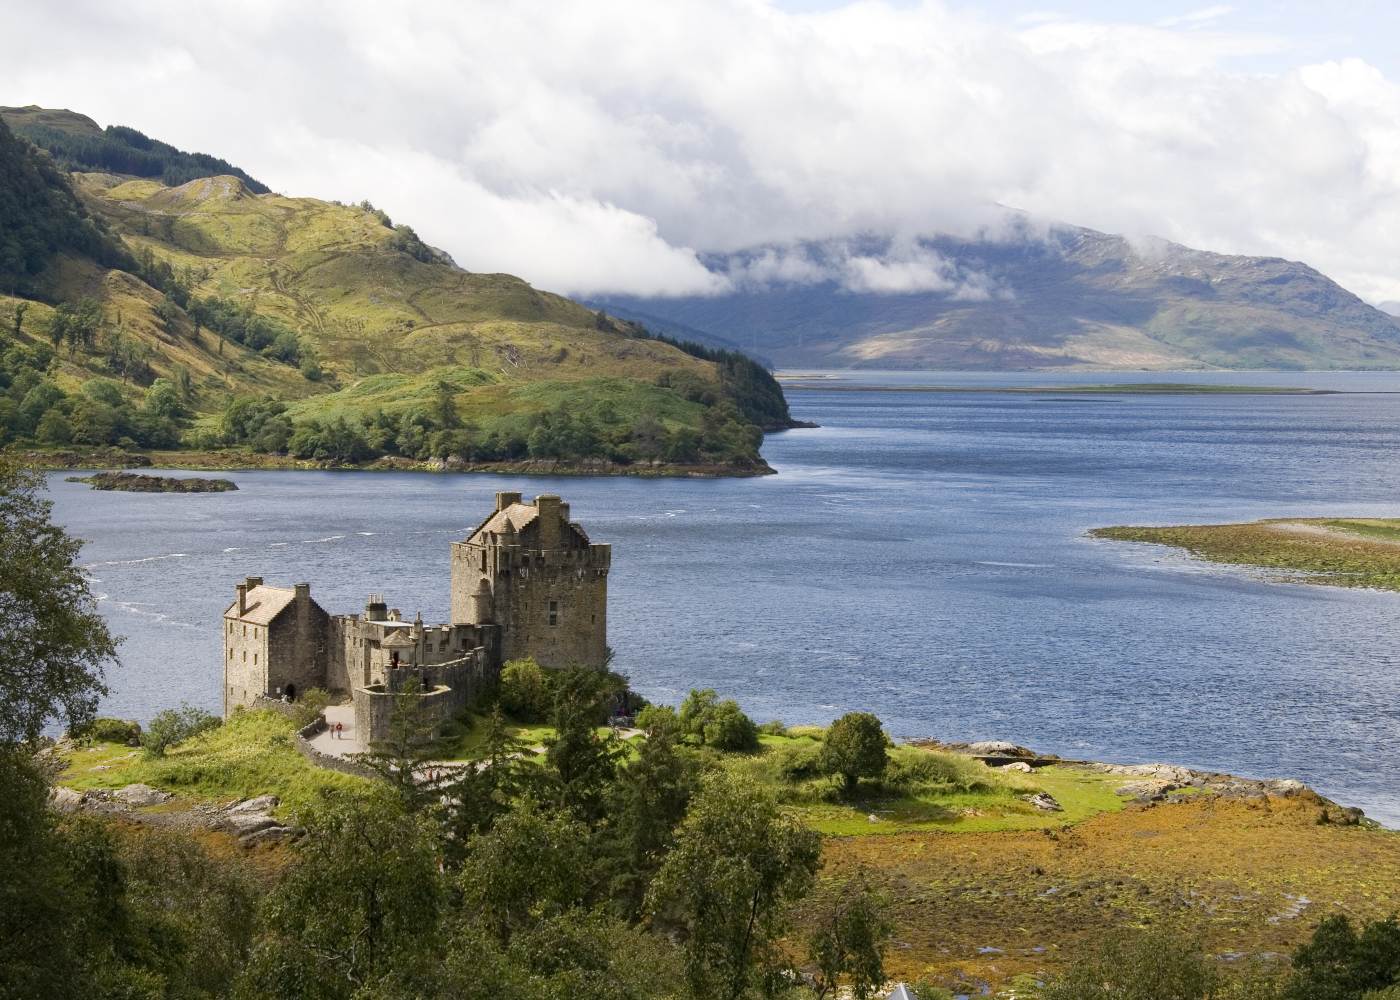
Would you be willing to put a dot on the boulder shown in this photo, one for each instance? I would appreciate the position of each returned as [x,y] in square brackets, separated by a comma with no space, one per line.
[267,835]
[242,824]
[141,795]
[1150,790]
[65,800]
[1045,802]
[258,804]
[1016,765]
[998,748]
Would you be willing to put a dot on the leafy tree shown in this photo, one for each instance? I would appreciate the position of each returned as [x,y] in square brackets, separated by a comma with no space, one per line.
[728,728]
[696,709]
[848,939]
[47,612]
[175,725]
[163,400]
[531,863]
[20,309]
[582,763]
[648,800]
[737,864]
[1151,965]
[660,721]
[1340,964]
[362,905]
[445,406]
[524,690]
[53,428]
[855,748]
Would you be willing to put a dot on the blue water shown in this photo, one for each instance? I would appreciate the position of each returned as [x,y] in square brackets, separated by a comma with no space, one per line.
[920,555]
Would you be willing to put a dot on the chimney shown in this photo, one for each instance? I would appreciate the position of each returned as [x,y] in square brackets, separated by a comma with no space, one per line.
[504,500]
[547,504]
[303,592]
[242,589]
[254,581]
[564,513]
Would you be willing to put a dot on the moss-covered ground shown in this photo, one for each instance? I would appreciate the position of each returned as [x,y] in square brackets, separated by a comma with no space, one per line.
[1347,552]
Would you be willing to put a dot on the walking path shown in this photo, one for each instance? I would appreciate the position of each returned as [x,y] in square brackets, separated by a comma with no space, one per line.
[348,742]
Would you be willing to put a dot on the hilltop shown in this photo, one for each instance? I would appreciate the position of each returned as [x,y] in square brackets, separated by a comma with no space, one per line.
[300,330]
[1060,297]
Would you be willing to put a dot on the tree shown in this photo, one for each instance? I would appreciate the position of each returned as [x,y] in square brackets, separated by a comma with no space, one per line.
[524,690]
[486,789]
[20,309]
[582,763]
[737,864]
[849,938]
[404,757]
[728,728]
[1151,965]
[697,707]
[58,642]
[444,406]
[175,725]
[53,428]
[532,863]
[855,748]
[1340,964]
[362,904]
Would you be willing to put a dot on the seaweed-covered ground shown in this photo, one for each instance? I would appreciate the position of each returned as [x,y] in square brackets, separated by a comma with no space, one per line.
[1346,552]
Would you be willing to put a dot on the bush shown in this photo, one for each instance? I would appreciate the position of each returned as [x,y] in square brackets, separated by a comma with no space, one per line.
[773,727]
[727,728]
[104,730]
[524,691]
[799,763]
[309,704]
[855,748]
[175,725]
[655,719]
[911,768]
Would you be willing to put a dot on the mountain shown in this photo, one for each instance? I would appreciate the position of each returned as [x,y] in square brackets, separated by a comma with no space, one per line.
[323,332]
[1389,308]
[1058,297]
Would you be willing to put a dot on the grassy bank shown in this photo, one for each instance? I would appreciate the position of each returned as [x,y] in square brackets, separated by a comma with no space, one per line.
[1346,552]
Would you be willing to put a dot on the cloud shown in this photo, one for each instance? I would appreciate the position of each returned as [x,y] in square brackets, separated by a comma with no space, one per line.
[607,146]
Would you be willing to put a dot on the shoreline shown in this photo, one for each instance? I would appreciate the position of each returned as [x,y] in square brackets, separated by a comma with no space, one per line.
[1126,389]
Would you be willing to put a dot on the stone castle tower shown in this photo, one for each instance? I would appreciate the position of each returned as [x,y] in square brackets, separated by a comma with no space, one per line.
[531,571]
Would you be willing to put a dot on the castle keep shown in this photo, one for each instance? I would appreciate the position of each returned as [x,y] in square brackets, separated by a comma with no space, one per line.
[527,582]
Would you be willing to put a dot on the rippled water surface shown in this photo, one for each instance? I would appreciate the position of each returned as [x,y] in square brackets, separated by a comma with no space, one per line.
[921,555]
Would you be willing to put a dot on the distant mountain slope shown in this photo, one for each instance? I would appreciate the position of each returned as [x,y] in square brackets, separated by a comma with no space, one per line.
[1389,308]
[76,142]
[321,331]
[1070,298]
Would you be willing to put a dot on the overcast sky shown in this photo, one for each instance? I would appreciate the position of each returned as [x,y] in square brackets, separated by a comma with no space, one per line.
[595,147]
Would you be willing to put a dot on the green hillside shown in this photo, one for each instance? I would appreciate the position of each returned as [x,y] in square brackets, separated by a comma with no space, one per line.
[298,330]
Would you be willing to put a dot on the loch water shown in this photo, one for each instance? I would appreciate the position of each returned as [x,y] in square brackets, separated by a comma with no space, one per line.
[921,555]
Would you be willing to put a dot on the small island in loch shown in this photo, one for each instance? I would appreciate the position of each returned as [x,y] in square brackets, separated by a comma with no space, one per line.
[135,482]
[1338,551]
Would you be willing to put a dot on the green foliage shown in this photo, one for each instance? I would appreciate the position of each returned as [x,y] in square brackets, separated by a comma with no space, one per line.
[737,864]
[1149,965]
[720,724]
[532,862]
[105,730]
[1339,963]
[581,763]
[660,721]
[361,906]
[524,690]
[309,706]
[41,217]
[848,938]
[49,614]
[176,725]
[855,747]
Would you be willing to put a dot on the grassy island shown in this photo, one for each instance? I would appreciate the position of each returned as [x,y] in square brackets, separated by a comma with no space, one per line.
[1343,552]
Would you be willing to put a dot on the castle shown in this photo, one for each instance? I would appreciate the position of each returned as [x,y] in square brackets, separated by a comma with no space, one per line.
[527,582]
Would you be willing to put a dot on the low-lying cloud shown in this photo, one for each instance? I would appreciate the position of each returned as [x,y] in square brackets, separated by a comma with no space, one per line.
[603,147]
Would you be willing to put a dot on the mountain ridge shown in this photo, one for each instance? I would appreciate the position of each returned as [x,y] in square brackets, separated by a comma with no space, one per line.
[1069,297]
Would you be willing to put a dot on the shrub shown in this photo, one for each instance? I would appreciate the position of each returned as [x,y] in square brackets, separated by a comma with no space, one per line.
[124,731]
[310,704]
[911,768]
[524,690]
[855,748]
[773,727]
[656,719]
[175,725]
[728,728]
[799,763]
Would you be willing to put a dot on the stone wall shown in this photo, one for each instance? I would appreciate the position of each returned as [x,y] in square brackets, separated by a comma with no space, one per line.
[328,761]
[296,645]
[554,606]
[374,709]
[245,664]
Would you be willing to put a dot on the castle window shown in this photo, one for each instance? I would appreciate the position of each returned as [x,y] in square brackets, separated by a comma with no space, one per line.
[554,612]
[255,659]
[245,630]
[245,656]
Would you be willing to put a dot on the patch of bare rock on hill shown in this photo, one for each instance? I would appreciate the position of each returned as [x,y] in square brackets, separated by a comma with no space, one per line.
[250,821]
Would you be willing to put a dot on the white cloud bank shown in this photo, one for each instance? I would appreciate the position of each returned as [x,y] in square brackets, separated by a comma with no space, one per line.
[596,146]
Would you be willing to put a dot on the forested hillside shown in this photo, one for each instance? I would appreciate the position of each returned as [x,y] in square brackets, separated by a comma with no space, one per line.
[265,329]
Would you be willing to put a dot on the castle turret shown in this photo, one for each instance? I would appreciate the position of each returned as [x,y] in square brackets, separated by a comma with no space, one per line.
[535,573]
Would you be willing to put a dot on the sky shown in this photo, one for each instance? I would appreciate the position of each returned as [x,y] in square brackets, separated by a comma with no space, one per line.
[599,147]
